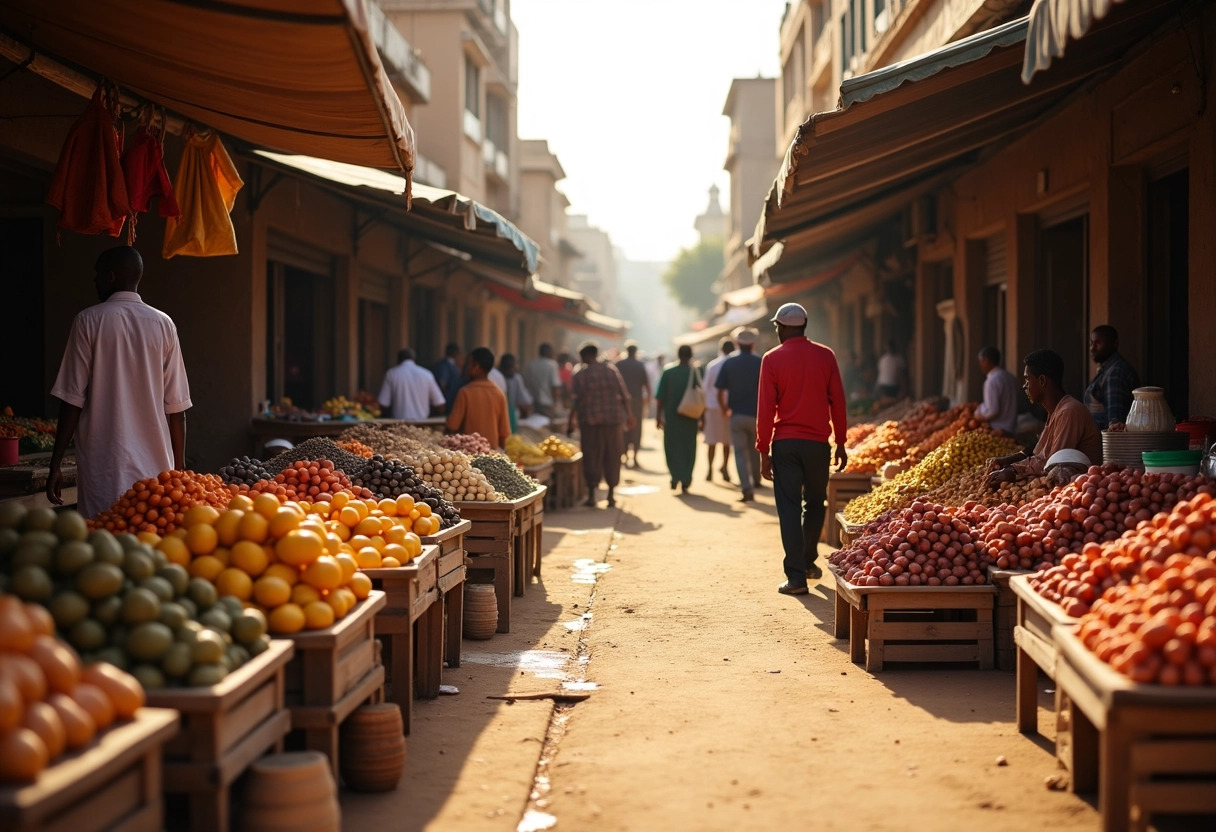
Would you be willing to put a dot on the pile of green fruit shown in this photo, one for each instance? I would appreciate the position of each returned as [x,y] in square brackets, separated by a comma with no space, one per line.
[118,600]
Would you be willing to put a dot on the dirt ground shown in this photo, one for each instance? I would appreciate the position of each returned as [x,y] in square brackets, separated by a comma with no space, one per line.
[715,702]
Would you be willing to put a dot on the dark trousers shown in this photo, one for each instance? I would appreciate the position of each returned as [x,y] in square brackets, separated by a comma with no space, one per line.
[800,476]
[602,447]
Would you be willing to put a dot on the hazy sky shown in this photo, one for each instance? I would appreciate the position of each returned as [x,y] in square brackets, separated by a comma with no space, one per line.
[629,94]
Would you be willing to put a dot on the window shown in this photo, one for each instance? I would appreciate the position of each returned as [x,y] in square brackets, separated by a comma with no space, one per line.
[472,87]
[846,44]
[496,121]
[791,73]
[819,18]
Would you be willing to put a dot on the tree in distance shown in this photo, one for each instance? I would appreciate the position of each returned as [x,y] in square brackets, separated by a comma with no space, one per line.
[691,276]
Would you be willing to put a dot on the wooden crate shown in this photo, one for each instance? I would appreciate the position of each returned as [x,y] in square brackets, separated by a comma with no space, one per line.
[224,729]
[1035,617]
[842,488]
[542,473]
[496,542]
[915,623]
[411,626]
[529,529]
[566,485]
[848,531]
[114,783]
[1005,617]
[334,671]
[1148,749]
[452,572]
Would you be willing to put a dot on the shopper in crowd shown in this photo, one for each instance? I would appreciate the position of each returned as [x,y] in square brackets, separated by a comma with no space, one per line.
[123,390]
[1109,395]
[679,432]
[519,400]
[410,392]
[600,409]
[447,372]
[654,369]
[565,372]
[1069,423]
[892,374]
[800,393]
[480,407]
[637,382]
[1000,405]
[716,431]
[543,382]
[736,389]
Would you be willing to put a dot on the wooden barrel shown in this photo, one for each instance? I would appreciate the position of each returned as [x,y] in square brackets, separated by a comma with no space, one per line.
[480,611]
[291,792]
[372,749]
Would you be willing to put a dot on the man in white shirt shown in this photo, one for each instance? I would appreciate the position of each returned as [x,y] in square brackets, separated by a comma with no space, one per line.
[543,380]
[1000,405]
[410,392]
[892,373]
[123,388]
[717,428]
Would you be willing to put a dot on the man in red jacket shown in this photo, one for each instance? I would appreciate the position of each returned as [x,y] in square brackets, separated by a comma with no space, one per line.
[800,391]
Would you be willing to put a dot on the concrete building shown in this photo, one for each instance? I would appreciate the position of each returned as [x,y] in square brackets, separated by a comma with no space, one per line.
[595,273]
[542,214]
[713,223]
[752,161]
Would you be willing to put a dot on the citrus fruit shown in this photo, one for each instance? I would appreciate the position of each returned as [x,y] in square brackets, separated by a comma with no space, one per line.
[360,585]
[338,603]
[303,594]
[396,550]
[290,574]
[228,526]
[271,591]
[234,582]
[368,558]
[286,619]
[248,557]
[388,506]
[405,504]
[390,563]
[340,500]
[413,544]
[378,543]
[241,502]
[283,521]
[266,505]
[323,573]
[175,550]
[200,515]
[368,526]
[299,548]
[318,615]
[349,516]
[424,510]
[207,567]
[202,539]
[349,565]
[396,534]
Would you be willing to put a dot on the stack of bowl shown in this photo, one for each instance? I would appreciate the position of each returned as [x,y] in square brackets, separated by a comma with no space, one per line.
[1126,447]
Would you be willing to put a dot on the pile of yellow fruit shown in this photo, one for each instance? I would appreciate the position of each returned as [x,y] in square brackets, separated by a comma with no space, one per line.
[962,453]
[378,535]
[342,406]
[555,447]
[273,557]
[523,452]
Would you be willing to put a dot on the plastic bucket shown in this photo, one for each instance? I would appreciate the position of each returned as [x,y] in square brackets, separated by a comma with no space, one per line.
[1172,462]
[8,450]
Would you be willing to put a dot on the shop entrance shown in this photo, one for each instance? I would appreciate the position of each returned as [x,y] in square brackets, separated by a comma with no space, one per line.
[300,335]
[424,334]
[1166,314]
[373,344]
[1061,289]
[21,242]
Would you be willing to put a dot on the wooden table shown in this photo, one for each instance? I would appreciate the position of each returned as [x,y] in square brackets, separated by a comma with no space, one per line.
[914,623]
[225,728]
[296,431]
[1035,619]
[1149,749]
[842,488]
[450,566]
[542,473]
[567,484]
[504,542]
[334,671]
[411,624]
[25,482]
[1006,616]
[114,783]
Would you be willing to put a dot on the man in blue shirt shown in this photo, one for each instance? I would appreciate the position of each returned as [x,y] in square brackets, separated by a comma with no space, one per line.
[448,375]
[1109,395]
[738,388]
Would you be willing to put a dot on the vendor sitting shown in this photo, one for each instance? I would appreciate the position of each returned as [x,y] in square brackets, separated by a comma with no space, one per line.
[1069,423]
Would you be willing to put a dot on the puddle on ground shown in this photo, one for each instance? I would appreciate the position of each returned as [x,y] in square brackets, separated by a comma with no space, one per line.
[604,530]
[587,571]
[535,821]
[630,490]
[580,686]
[544,664]
[579,624]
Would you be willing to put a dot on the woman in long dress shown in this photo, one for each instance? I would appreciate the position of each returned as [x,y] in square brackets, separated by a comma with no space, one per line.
[679,432]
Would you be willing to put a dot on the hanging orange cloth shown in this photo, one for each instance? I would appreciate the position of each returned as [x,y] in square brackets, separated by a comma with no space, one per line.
[88,186]
[143,167]
[207,185]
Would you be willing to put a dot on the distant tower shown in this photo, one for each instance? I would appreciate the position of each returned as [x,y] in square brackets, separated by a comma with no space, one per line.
[713,223]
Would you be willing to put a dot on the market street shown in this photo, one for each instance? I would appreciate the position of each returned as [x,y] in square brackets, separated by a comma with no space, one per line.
[718,703]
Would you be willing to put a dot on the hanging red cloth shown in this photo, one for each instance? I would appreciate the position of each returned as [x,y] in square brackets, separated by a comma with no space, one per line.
[143,167]
[88,186]
[207,185]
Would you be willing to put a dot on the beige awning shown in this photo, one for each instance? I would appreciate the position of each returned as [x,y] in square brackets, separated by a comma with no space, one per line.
[1053,23]
[300,76]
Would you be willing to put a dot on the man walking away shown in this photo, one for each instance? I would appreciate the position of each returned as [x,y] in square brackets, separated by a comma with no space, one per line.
[410,392]
[1109,395]
[447,374]
[800,392]
[543,382]
[637,382]
[480,407]
[716,430]
[123,388]
[738,385]
[1000,405]
[600,409]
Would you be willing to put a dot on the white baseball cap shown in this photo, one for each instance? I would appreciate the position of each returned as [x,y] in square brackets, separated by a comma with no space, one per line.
[790,314]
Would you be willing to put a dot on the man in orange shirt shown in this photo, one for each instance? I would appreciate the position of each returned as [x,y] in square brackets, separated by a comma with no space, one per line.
[480,407]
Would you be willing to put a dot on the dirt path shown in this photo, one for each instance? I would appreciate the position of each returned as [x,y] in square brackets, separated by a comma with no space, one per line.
[719,703]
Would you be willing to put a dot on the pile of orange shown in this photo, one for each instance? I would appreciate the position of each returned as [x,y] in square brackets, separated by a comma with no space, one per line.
[48,703]
[158,504]
[272,557]
[377,534]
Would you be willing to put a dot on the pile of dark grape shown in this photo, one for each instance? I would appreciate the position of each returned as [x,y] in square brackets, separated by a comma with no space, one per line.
[315,449]
[245,471]
[390,477]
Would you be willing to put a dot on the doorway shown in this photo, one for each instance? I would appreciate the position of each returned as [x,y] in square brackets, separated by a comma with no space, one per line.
[373,344]
[300,336]
[424,333]
[1061,293]
[1166,309]
[24,365]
